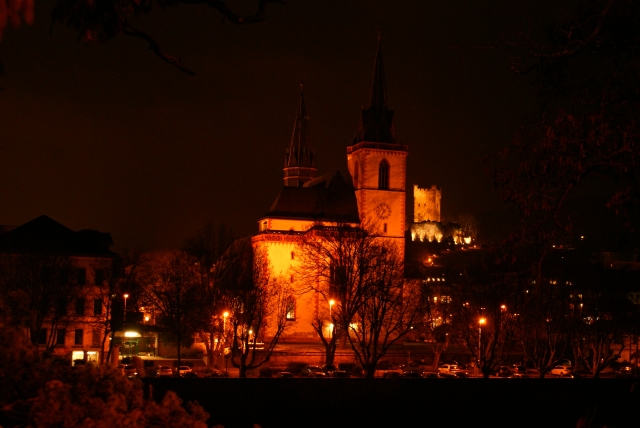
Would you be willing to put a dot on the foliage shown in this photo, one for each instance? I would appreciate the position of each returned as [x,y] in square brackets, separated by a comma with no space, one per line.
[586,139]
[44,391]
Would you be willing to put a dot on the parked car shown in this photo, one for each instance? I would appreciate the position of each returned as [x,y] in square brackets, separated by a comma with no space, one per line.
[284,374]
[391,374]
[504,371]
[329,368]
[184,370]
[215,373]
[412,374]
[130,371]
[308,370]
[448,368]
[317,374]
[340,373]
[432,375]
[625,369]
[191,374]
[164,371]
[562,371]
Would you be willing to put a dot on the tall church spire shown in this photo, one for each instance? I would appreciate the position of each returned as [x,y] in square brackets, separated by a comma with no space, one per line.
[300,159]
[376,122]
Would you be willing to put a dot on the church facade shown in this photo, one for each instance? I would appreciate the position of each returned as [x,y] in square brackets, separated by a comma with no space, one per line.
[374,196]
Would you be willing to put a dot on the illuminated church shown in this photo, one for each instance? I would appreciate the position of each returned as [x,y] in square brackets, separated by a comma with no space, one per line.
[373,194]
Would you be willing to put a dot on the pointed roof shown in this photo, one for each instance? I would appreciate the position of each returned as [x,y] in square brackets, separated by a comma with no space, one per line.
[44,235]
[329,198]
[299,154]
[376,122]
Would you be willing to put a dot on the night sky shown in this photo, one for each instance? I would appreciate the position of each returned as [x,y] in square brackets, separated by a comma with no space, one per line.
[109,137]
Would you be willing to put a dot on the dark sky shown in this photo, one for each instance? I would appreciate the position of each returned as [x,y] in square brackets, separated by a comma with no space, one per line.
[109,137]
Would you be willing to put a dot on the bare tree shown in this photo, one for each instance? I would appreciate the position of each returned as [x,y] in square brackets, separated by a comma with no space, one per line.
[257,302]
[103,22]
[208,247]
[335,263]
[47,282]
[169,283]
[389,307]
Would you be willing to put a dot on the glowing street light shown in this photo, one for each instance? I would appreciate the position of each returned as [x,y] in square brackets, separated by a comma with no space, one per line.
[225,315]
[331,303]
[125,306]
[481,322]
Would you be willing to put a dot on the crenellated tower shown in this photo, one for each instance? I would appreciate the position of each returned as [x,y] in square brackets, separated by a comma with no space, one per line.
[299,159]
[377,162]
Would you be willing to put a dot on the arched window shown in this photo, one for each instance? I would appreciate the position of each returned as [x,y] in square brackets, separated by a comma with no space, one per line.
[356,174]
[383,175]
[291,308]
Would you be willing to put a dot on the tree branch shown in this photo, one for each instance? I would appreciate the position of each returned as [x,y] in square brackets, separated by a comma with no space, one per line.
[155,47]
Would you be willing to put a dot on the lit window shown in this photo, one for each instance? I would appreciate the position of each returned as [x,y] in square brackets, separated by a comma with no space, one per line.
[96,337]
[291,308]
[383,175]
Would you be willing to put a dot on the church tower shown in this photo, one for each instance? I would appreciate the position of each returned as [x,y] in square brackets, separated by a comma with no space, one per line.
[377,163]
[299,159]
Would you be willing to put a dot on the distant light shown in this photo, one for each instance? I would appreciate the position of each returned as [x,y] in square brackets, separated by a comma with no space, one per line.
[131,334]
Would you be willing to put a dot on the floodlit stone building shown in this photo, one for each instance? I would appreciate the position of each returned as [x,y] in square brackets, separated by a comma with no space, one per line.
[374,194]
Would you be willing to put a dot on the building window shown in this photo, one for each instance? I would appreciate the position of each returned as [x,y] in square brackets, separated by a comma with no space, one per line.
[98,276]
[97,307]
[291,308]
[80,306]
[383,175]
[61,336]
[96,335]
[79,337]
[82,276]
[385,228]
[42,336]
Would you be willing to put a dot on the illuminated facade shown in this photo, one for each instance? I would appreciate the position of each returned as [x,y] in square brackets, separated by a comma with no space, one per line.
[374,195]
[75,268]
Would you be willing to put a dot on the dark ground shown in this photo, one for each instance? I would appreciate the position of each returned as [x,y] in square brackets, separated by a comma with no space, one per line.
[301,402]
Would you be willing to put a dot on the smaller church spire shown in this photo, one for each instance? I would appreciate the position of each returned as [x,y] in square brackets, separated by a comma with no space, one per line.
[300,160]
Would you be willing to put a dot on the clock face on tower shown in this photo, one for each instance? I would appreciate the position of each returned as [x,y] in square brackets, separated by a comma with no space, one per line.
[383,211]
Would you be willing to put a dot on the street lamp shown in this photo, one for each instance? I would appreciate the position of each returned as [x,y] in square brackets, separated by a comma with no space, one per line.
[482,321]
[125,306]
[331,303]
